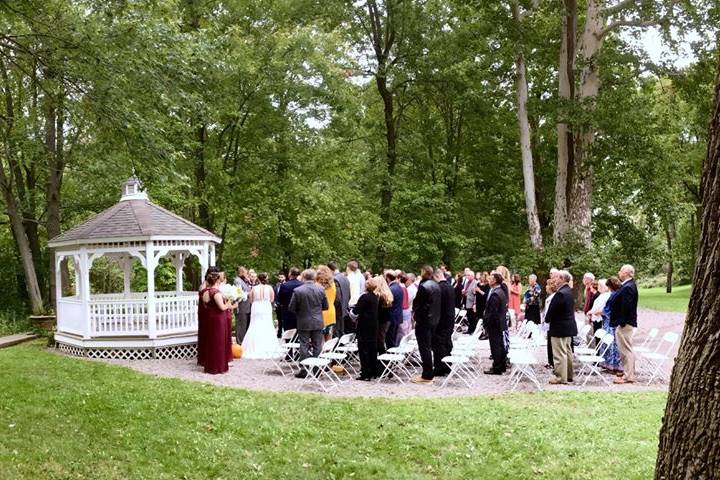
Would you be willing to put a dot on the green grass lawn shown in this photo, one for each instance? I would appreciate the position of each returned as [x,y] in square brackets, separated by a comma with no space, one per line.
[67,418]
[657,299]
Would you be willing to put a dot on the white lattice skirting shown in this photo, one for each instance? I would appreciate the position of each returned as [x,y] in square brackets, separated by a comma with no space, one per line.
[143,353]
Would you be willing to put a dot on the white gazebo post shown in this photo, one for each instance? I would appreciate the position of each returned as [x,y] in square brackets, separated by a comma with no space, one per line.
[179,261]
[150,265]
[204,258]
[126,262]
[58,278]
[85,289]
[212,254]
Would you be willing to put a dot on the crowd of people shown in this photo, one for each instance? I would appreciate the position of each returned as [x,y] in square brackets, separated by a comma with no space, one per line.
[382,309]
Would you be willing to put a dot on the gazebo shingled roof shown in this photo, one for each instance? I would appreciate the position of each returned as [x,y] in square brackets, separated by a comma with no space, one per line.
[136,218]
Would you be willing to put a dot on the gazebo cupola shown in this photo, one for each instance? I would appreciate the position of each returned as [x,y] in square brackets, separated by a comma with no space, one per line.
[127,324]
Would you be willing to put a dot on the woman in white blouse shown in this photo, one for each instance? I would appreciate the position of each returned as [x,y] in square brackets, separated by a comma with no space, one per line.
[595,314]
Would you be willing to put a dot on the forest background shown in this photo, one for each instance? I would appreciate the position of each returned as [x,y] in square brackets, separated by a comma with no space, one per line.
[396,132]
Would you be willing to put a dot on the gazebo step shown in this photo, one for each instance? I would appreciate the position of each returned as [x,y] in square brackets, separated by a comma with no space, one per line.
[11,340]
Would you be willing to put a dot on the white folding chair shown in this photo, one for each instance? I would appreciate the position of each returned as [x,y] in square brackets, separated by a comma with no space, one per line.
[347,344]
[460,320]
[318,369]
[523,365]
[285,353]
[599,335]
[655,360]
[645,346]
[330,352]
[591,363]
[393,366]
[460,368]
[583,334]
[523,359]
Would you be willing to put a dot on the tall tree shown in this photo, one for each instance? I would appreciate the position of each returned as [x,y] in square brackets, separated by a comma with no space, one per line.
[385,24]
[576,127]
[691,425]
[521,88]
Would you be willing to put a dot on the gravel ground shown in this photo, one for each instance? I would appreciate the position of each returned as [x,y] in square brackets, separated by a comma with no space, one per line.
[248,374]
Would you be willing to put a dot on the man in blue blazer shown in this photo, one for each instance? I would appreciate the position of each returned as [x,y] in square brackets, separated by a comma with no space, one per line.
[561,318]
[623,316]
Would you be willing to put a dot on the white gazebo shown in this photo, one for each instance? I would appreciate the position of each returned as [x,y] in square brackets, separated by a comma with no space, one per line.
[130,325]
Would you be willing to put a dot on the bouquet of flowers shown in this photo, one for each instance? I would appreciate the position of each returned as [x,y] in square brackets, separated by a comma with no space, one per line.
[232,293]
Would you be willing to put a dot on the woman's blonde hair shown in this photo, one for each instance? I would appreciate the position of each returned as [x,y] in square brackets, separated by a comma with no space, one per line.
[378,285]
[503,270]
[324,276]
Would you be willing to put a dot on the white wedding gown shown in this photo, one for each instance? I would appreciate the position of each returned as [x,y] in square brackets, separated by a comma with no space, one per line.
[260,341]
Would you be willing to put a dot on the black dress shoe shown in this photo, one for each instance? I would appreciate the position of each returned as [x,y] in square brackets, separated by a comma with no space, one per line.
[301,374]
[492,372]
[363,379]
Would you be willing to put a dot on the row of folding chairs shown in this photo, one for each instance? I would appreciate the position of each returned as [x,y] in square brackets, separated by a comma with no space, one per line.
[338,351]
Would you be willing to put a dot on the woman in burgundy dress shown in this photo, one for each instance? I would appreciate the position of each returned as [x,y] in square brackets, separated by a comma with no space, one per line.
[214,310]
[201,337]
[228,313]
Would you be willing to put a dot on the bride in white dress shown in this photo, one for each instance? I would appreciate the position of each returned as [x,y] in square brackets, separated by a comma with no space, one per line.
[260,341]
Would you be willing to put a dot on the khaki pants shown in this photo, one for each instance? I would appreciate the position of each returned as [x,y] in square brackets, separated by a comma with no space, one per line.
[562,358]
[623,338]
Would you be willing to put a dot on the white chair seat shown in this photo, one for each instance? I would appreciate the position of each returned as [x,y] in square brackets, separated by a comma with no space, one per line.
[315,362]
[582,351]
[400,350]
[590,358]
[347,348]
[455,359]
[333,356]
[391,357]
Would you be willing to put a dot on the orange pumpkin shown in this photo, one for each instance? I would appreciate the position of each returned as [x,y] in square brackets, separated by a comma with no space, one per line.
[236,350]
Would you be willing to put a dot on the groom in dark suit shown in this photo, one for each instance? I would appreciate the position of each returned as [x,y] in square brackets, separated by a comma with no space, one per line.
[307,303]
[284,294]
[495,323]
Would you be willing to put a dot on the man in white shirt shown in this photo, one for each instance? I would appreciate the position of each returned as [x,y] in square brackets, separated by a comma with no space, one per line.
[357,282]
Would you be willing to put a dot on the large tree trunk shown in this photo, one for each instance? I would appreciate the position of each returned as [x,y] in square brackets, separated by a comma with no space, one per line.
[689,446]
[581,185]
[521,88]
[55,146]
[382,38]
[566,92]
[13,210]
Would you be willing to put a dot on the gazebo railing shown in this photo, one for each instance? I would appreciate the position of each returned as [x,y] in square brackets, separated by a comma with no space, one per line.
[112,315]
[118,317]
[176,314]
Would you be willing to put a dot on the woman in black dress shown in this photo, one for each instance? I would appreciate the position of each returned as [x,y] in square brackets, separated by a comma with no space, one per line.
[366,310]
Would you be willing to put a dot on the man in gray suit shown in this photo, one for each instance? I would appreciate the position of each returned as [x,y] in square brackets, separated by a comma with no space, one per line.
[242,317]
[307,303]
[342,300]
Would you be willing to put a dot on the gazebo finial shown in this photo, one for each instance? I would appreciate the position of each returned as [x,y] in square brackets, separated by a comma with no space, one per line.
[132,189]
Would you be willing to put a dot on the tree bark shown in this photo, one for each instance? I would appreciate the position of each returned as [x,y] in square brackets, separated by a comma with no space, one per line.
[382,38]
[11,204]
[566,92]
[521,88]
[689,447]
[581,180]
[55,150]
